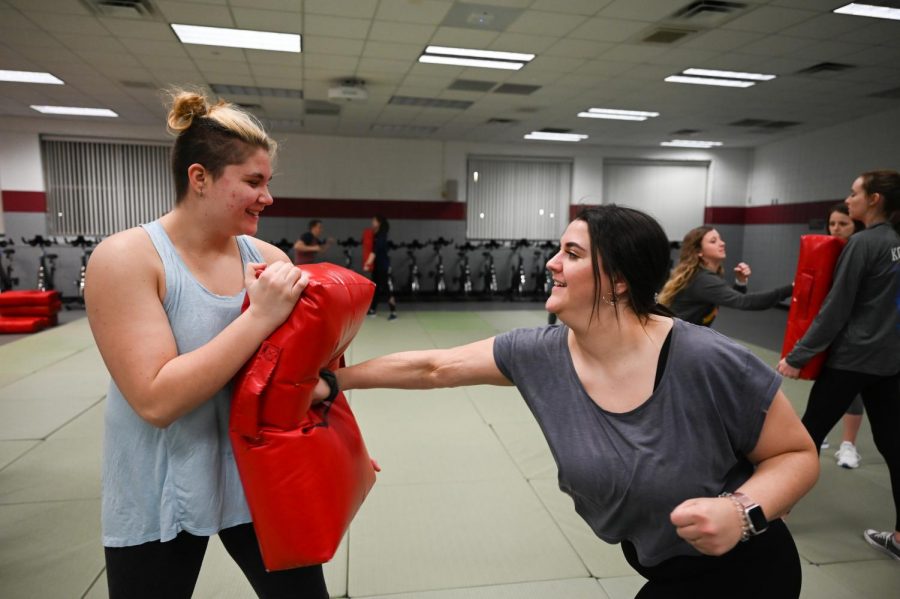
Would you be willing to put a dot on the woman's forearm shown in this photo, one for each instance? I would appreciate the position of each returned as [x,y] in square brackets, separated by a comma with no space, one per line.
[781,481]
[405,370]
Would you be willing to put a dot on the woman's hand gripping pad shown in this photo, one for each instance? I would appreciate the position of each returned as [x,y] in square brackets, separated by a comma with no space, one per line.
[305,470]
[815,271]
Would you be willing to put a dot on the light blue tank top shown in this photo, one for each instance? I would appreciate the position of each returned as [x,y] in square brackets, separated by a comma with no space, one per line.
[159,482]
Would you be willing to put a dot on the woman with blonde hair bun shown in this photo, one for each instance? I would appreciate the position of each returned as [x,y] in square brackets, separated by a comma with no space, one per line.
[696,288]
[164,304]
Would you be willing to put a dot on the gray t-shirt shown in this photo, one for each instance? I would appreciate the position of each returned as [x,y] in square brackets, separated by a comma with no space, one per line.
[627,472]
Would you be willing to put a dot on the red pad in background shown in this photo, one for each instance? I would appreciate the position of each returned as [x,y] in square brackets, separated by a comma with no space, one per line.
[815,272]
[31,310]
[29,298]
[305,470]
[23,324]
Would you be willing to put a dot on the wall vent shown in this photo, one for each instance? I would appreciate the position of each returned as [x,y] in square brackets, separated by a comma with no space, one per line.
[471,85]
[517,88]
[668,35]
[826,67]
[126,9]
[429,102]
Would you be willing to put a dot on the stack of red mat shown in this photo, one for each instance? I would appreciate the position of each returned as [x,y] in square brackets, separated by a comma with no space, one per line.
[28,311]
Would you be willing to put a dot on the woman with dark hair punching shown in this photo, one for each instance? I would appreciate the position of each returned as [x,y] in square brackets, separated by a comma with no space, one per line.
[696,289]
[671,439]
[379,262]
[164,304]
[859,325]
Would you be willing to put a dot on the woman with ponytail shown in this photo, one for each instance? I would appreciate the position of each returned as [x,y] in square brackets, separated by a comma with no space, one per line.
[164,304]
[696,289]
[859,325]
[662,431]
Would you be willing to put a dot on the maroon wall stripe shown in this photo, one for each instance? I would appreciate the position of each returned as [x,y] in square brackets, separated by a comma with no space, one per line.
[779,214]
[395,209]
[24,201]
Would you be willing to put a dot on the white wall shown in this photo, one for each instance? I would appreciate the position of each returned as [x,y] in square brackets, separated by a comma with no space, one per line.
[822,165]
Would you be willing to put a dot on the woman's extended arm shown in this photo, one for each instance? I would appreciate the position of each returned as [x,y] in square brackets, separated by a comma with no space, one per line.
[471,364]
[130,326]
[787,466]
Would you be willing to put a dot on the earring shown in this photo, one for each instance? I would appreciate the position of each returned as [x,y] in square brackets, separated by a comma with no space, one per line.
[201,192]
[611,300]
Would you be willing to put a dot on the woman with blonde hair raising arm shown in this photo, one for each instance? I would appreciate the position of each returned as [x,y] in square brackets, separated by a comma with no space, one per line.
[164,304]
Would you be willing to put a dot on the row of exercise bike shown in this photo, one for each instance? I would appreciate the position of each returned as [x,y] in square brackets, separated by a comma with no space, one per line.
[464,284]
[45,277]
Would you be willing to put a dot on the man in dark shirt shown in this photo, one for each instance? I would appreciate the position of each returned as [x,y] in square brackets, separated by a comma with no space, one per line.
[310,244]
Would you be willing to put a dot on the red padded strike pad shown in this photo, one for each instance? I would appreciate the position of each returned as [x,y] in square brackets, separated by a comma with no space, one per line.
[305,470]
[29,298]
[23,324]
[815,271]
[27,310]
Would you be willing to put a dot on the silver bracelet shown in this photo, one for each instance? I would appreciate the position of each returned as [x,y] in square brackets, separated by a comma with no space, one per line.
[745,521]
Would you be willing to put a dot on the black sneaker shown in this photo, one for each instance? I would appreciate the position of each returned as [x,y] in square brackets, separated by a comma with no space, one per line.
[883,541]
[370,313]
[393,316]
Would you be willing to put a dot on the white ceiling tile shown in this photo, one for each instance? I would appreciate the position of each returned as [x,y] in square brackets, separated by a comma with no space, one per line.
[395,51]
[336,26]
[129,28]
[506,3]
[826,26]
[269,70]
[279,83]
[832,51]
[384,64]
[428,12]
[720,40]
[520,42]
[93,43]
[98,59]
[770,19]
[169,76]
[545,23]
[199,52]
[424,81]
[578,48]
[142,48]
[732,62]
[288,5]
[877,32]
[319,44]
[874,55]
[192,13]
[776,45]
[533,77]
[362,9]
[285,59]
[557,64]
[54,6]
[463,38]
[28,41]
[343,65]
[13,19]
[782,65]
[575,7]
[407,33]
[215,69]
[602,68]
[634,53]
[682,58]
[608,30]
[646,10]
[268,20]
[648,72]
[436,70]
[60,23]
[162,61]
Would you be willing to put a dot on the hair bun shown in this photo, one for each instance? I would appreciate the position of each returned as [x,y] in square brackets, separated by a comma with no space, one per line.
[186,106]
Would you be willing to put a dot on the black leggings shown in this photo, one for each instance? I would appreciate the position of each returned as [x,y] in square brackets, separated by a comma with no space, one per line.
[170,569]
[833,392]
[765,566]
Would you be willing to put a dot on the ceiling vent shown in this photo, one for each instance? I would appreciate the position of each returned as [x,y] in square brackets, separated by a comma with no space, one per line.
[249,90]
[321,108]
[501,121]
[668,35]
[554,130]
[709,13]
[516,88]
[764,124]
[138,85]
[471,85]
[126,9]
[687,132]
[429,102]
[826,67]
[402,129]
[890,94]
[748,123]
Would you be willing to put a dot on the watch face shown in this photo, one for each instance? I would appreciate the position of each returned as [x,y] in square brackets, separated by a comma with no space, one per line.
[757,519]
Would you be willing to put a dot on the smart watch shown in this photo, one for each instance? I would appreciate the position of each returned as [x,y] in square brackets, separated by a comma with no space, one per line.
[754,516]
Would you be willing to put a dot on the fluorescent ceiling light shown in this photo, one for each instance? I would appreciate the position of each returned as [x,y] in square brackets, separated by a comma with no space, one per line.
[237,38]
[869,10]
[729,74]
[707,81]
[623,112]
[489,54]
[75,111]
[615,117]
[691,143]
[30,77]
[546,136]
[472,62]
